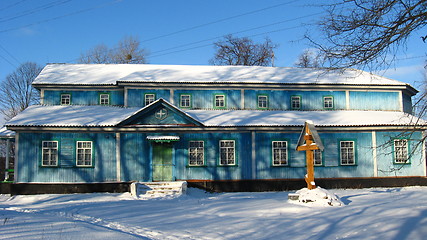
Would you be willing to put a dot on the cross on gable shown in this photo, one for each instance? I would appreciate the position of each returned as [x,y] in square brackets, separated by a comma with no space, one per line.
[161,113]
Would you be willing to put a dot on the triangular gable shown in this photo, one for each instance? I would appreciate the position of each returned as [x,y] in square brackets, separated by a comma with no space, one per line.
[314,134]
[160,112]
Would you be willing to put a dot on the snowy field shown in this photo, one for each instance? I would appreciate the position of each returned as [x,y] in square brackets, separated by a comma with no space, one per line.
[377,213]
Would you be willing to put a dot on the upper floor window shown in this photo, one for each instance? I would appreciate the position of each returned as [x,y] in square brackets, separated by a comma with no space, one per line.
[328,102]
[280,153]
[401,151]
[262,101]
[104,99]
[84,153]
[196,153]
[347,153]
[149,98]
[185,100]
[220,101]
[296,102]
[50,153]
[65,99]
[227,152]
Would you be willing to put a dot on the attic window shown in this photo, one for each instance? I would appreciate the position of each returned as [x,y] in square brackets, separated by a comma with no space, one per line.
[104,99]
[149,98]
[65,99]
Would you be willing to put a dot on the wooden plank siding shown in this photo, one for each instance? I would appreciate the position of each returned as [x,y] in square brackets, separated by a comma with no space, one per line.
[280,99]
[136,96]
[30,169]
[277,99]
[369,100]
[385,155]
[136,154]
[80,97]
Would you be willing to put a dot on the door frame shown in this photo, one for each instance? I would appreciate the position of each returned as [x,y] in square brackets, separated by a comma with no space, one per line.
[171,145]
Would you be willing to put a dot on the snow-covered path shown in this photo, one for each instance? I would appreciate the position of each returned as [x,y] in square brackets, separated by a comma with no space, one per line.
[378,213]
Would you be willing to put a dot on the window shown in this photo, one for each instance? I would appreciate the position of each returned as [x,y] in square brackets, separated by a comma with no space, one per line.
[328,102]
[185,101]
[196,153]
[65,99]
[104,99]
[296,102]
[220,101]
[400,151]
[317,156]
[149,98]
[262,101]
[84,153]
[227,154]
[347,153]
[50,153]
[280,153]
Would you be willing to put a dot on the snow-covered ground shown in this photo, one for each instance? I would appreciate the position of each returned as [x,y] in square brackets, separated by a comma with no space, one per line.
[377,213]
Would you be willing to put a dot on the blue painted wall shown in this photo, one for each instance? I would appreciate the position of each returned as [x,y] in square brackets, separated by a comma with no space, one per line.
[363,100]
[136,157]
[310,100]
[136,96]
[278,99]
[204,99]
[385,153]
[212,171]
[29,162]
[83,97]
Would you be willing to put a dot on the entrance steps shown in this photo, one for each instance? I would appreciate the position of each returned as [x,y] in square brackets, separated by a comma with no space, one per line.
[158,189]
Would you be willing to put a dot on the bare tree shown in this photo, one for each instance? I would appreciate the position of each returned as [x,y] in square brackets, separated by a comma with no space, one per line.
[243,51]
[310,58]
[365,33]
[16,91]
[99,54]
[128,51]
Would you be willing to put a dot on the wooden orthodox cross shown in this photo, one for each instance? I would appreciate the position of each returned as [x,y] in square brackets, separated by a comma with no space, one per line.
[309,141]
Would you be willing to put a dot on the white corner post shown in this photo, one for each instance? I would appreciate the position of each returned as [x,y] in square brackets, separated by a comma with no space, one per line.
[374,153]
[118,159]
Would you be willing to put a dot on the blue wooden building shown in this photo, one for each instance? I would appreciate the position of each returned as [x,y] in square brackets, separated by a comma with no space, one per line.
[204,124]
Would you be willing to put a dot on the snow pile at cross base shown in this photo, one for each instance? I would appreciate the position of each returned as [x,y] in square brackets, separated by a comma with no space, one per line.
[317,197]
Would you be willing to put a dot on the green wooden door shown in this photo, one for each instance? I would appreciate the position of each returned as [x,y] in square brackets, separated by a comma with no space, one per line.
[162,162]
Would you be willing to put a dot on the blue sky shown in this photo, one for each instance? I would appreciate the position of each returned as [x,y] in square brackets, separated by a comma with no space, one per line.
[173,32]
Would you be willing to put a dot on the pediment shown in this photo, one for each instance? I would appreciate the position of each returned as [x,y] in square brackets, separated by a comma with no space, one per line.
[160,112]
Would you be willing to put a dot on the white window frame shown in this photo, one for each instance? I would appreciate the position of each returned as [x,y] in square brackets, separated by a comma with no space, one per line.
[295,102]
[185,103]
[84,154]
[196,153]
[65,99]
[104,99]
[328,102]
[227,153]
[317,157]
[219,101]
[49,154]
[279,151]
[401,153]
[262,101]
[348,153]
[149,98]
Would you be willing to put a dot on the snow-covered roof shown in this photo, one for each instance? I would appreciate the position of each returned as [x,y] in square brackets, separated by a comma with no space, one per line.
[102,116]
[298,118]
[110,74]
[6,133]
[73,115]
